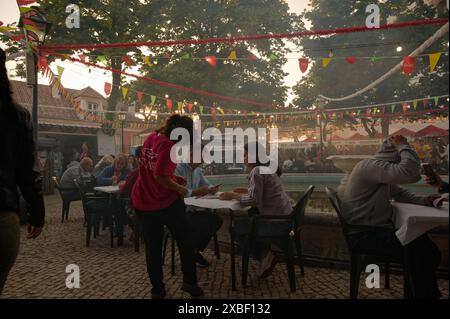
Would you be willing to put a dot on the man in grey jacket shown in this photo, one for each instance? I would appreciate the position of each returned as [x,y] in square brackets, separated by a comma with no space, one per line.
[366,201]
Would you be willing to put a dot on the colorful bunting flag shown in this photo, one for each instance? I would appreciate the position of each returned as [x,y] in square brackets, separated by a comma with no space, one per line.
[127,60]
[146,60]
[180,105]
[139,95]
[325,62]
[107,88]
[425,103]
[169,105]
[185,56]
[232,55]
[60,70]
[351,59]
[303,62]
[434,58]
[415,105]
[200,108]
[82,57]
[273,56]
[101,59]
[25,2]
[252,57]
[124,92]
[408,65]
[405,107]
[436,101]
[190,106]
[393,108]
[152,99]
[212,60]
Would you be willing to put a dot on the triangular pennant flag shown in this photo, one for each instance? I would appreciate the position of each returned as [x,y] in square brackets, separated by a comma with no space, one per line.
[7,29]
[169,105]
[212,60]
[201,109]
[107,88]
[351,59]
[273,56]
[375,58]
[124,91]
[252,57]
[408,65]
[190,106]
[146,60]
[185,56]
[383,109]
[60,70]
[415,105]
[232,55]
[139,95]
[152,99]
[405,107]
[425,103]
[101,59]
[434,58]
[436,100]
[24,9]
[17,37]
[303,63]
[325,62]
[392,108]
[127,60]
[25,2]
[31,28]
[180,105]
[221,110]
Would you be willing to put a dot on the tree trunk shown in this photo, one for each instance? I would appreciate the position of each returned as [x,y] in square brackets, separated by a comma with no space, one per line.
[116,63]
[385,127]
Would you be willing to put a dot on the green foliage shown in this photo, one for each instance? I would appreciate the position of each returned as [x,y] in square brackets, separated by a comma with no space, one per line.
[341,78]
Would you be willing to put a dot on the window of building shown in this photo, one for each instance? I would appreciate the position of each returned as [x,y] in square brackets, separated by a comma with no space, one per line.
[92,108]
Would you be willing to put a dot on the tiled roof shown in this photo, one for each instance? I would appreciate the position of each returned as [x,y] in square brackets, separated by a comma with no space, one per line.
[49,108]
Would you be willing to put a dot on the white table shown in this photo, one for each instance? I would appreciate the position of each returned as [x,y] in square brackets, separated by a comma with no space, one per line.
[232,206]
[107,189]
[412,221]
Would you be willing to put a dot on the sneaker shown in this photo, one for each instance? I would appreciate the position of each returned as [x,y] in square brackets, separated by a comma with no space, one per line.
[194,290]
[201,261]
[267,265]
[159,295]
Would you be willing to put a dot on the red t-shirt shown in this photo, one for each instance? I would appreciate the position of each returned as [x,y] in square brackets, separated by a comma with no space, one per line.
[147,194]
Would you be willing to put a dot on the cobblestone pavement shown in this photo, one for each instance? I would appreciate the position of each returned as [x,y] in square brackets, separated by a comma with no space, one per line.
[119,272]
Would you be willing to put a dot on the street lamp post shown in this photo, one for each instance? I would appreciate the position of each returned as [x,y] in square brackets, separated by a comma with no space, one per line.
[320,105]
[36,28]
[122,117]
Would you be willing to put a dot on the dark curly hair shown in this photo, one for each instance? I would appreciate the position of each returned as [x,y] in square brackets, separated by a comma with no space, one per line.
[177,121]
[6,100]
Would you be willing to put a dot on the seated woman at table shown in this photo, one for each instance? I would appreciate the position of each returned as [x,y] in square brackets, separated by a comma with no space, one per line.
[266,196]
[366,201]
[106,161]
[204,223]
[115,173]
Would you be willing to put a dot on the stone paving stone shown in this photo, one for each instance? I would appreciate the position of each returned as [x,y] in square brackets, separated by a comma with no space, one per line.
[120,272]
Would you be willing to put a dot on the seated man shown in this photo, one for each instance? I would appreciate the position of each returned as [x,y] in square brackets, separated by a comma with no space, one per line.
[204,224]
[366,201]
[115,173]
[81,173]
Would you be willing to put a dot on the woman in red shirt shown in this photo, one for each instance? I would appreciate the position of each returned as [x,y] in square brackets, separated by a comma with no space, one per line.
[157,197]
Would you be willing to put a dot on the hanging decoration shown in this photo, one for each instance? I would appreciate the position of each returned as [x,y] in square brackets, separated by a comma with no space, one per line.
[408,65]
[107,88]
[212,60]
[434,58]
[303,62]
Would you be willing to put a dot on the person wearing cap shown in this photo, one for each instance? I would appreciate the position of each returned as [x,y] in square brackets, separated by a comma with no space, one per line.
[366,201]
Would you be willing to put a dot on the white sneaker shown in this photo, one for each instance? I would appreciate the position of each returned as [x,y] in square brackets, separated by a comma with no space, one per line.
[267,265]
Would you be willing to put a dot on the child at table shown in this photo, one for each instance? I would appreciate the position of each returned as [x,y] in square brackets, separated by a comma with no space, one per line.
[265,194]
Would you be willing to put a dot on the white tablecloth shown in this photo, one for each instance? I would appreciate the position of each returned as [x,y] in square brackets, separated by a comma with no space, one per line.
[213,203]
[413,221]
[107,189]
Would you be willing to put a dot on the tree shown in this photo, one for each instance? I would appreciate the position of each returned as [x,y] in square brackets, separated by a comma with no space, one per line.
[104,21]
[340,78]
[261,80]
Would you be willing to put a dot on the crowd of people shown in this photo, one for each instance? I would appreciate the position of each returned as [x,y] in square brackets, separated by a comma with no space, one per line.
[156,187]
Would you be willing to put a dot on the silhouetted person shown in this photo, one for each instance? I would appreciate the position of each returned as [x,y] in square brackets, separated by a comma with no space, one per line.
[18,167]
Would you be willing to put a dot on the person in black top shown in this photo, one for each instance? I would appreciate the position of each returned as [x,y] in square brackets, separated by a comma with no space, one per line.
[18,168]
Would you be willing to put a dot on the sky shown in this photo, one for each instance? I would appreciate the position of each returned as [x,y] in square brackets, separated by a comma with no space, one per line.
[77,77]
